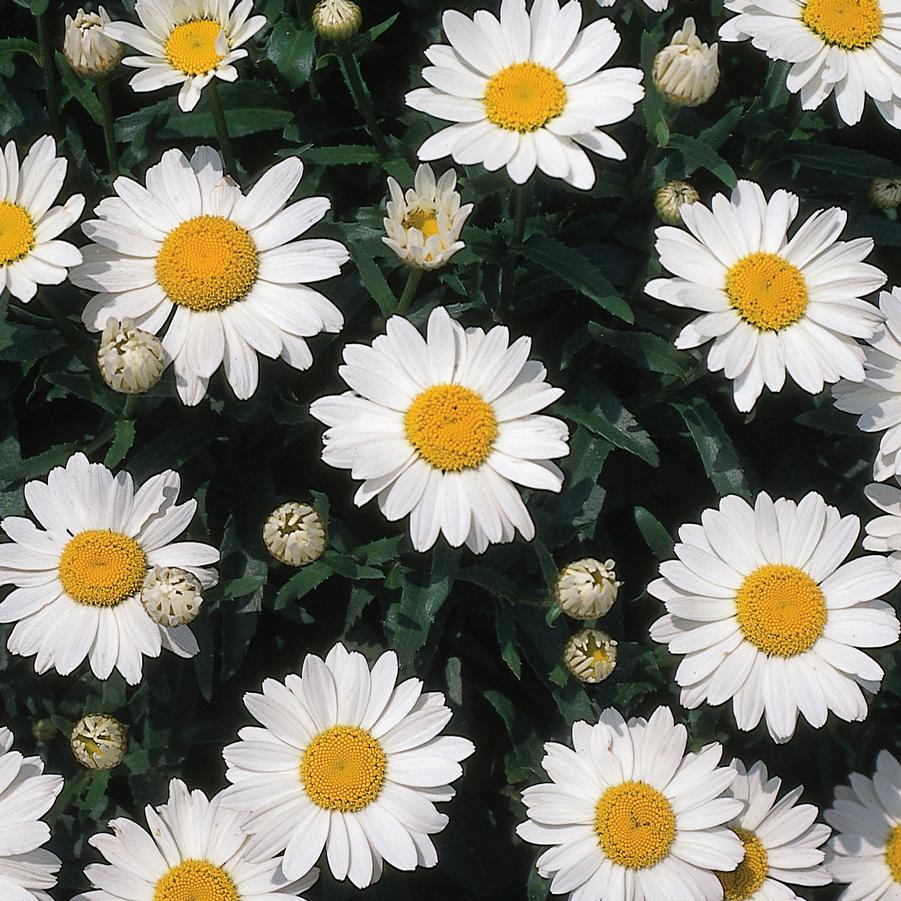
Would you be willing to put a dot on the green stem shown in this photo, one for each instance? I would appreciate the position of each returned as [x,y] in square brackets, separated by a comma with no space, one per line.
[508,270]
[413,280]
[360,96]
[49,70]
[225,141]
[109,134]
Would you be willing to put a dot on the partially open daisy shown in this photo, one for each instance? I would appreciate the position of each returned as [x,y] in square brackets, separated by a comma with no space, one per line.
[27,871]
[442,428]
[781,840]
[424,224]
[186,42]
[851,49]
[877,399]
[526,91]
[30,254]
[193,849]
[630,815]
[78,579]
[865,851]
[347,760]
[219,270]
[770,303]
[767,613]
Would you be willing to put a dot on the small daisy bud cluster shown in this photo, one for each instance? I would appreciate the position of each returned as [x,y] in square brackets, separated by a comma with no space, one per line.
[590,655]
[171,596]
[671,198]
[294,534]
[99,741]
[587,588]
[687,71]
[337,20]
[131,360]
[885,193]
[89,51]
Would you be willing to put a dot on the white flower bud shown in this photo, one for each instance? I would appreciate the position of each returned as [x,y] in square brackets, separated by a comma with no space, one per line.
[337,20]
[587,588]
[671,197]
[99,741]
[885,193]
[687,71]
[90,51]
[171,596]
[294,534]
[590,655]
[131,360]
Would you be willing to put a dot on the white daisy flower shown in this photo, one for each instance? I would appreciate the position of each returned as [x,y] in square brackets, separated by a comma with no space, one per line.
[424,224]
[219,270]
[657,6]
[78,579]
[443,427]
[851,49]
[30,254]
[193,849]
[770,304]
[347,760]
[767,613]
[186,42]
[526,91]
[877,399]
[27,871]
[865,851]
[781,840]
[630,815]
[884,532]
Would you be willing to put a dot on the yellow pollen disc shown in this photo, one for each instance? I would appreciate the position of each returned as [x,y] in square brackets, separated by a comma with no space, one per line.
[451,426]
[102,568]
[196,880]
[425,220]
[16,233]
[781,610]
[750,874]
[524,97]
[635,825]
[767,291]
[893,853]
[850,24]
[343,768]
[207,263]
[191,47]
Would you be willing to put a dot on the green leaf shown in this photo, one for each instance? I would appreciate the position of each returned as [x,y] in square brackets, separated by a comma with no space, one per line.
[342,155]
[80,89]
[9,46]
[303,583]
[292,50]
[654,533]
[373,279]
[251,107]
[841,160]
[650,351]
[699,155]
[506,637]
[123,440]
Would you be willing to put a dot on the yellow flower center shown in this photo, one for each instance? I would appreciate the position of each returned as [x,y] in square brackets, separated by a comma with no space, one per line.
[524,97]
[749,875]
[781,610]
[767,291]
[451,426]
[191,46]
[343,768]
[850,24]
[635,824]
[102,568]
[196,880]
[425,220]
[16,233]
[207,263]
[893,853]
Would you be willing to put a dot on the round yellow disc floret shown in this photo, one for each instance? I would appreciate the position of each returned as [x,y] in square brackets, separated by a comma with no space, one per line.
[102,568]
[744,881]
[849,24]
[423,219]
[635,825]
[16,233]
[767,291]
[343,768]
[893,853]
[196,880]
[191,46]
[781,610]
[451,426]
[207,263]
[524,97]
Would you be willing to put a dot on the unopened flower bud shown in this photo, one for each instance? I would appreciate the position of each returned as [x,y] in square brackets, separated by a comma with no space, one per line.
[91,52]
[294,534]
[670,199]
[590,655]
[337,20]
[587,588]
[99,741]
[171,596]
[885,193]
[131,360]
[686,72]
